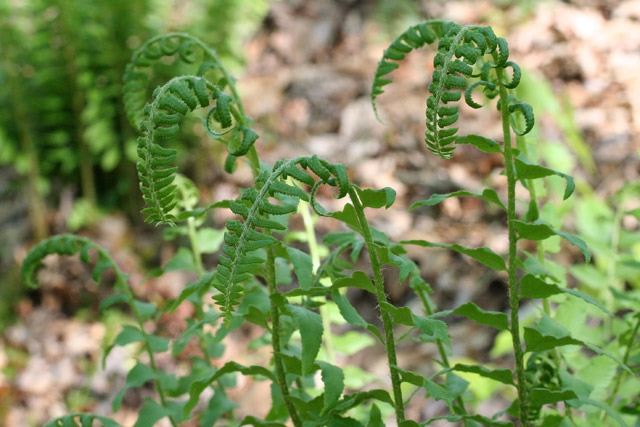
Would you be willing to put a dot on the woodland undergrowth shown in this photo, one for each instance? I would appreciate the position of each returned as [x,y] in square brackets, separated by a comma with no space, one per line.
[548,382]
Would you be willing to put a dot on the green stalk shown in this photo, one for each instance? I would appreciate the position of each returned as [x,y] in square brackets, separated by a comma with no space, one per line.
[197,260]
[429,312]
[555,354]
[195,249]
[514,290]
[191,229]
[387,322]
[611,268]
[275,338]
[522,145]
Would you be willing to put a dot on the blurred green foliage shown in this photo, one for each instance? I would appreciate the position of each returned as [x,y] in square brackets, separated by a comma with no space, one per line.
[60,76]
[63,125]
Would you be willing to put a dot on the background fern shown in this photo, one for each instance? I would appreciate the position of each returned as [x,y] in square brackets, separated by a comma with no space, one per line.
[77,125]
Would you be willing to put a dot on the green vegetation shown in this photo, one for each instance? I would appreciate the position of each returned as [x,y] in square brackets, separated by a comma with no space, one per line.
[293,287]
[61,76]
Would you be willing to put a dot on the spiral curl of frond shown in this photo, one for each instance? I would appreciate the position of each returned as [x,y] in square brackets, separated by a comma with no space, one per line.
[413,38]
[521,114]
[160,118]
[161,121]
[461,51]
[242,237]
[137,73]
[66,244]
[458,51]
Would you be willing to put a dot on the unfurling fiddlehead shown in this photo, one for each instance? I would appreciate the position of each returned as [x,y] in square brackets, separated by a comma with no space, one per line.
[475,54]
[242,238]
[138,72]
[460,57]
[66,244]
[160,118]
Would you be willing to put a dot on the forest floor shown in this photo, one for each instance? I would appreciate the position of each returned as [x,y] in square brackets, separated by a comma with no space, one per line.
[307,85]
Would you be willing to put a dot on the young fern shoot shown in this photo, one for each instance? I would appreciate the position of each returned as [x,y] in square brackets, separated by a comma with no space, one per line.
[159,119]
[468,58]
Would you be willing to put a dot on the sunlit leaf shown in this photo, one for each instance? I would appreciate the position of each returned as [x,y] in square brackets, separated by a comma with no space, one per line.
[484,255]
[376,198]
[494,319]
[150,413]
[310,326]
[532,287]
[535,341]
[488,195]
[480,142]
[375,417]
[527,170]
[333,379]
[541,231]
[543,396]
[302,267]
[505,376]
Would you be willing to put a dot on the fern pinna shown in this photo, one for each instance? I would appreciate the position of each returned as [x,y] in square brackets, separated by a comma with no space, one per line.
[159,119]
[469,52]
[242,238]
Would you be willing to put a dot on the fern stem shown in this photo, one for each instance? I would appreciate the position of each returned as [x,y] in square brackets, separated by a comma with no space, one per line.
[429,312]
[197,257]
[275,339]
[514,291]
[613,250]
[387,322]
[555,354]
[195,249]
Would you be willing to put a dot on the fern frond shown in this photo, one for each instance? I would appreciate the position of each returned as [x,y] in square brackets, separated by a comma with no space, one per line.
[155,171]
[527,114]
[238,263]
[137,73]
[413,38]
[159,119]
[458,52]
[66,244]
